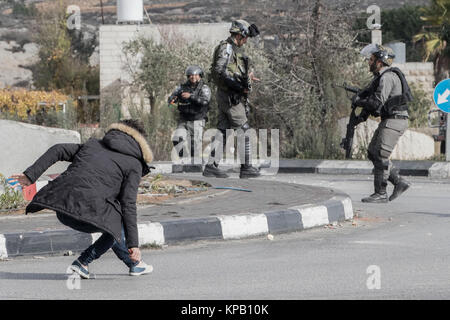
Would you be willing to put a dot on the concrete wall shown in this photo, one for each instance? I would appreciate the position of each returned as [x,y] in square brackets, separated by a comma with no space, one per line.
[114,76]
[21,144]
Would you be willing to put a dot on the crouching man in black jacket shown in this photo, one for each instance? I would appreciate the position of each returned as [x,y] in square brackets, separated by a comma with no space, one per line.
[97,192]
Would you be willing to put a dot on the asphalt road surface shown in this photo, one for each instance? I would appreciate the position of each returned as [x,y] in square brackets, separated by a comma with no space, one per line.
[398,250]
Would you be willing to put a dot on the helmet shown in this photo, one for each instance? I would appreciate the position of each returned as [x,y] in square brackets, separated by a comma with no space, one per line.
[194,70]
[384,54]
[244,28]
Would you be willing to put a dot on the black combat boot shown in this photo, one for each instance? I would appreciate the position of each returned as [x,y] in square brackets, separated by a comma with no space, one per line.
[248,172]
[212,170]
[380,195]
[400,184]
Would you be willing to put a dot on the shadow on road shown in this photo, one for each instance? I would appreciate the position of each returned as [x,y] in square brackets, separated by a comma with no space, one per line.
[440,215]
[53,276]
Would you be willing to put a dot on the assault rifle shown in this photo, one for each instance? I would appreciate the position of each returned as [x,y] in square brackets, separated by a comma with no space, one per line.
[245,81]
[347,142]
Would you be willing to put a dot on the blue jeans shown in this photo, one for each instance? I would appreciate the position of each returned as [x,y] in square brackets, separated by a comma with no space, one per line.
[103,244]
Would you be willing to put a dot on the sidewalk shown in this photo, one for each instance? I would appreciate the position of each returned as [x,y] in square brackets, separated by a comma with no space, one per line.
[269,208]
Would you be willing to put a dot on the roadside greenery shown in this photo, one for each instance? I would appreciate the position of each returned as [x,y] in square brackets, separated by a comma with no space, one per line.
[9,198]
[435,36]
[157,69]
[296,94]
[63,60]
[419,107]
[317,47]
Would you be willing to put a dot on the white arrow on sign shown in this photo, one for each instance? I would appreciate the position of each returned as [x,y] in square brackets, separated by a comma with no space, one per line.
[443,97]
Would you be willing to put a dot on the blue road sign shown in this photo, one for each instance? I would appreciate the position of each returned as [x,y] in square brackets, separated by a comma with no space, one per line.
[441,95]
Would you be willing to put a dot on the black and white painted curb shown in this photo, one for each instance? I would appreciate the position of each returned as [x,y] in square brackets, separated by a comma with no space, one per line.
[430,169]
[224,227]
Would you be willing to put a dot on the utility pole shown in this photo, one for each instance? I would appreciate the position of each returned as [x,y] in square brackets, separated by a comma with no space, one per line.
[103,17]
[447,138]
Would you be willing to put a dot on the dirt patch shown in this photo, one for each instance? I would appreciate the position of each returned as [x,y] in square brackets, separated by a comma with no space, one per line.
[156,189]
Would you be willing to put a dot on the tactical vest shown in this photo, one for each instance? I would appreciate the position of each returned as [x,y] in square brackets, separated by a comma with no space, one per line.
[395,103]
[189,110]
[235,63]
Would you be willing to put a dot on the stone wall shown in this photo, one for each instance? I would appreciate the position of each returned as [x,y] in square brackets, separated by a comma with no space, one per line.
[422,75]
[419,73]
[21,144]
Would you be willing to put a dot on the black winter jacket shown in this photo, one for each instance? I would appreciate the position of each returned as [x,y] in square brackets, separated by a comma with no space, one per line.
[100,186]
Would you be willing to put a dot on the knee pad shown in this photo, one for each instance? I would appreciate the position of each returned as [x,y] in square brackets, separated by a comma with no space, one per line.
[175,142]
[385,164]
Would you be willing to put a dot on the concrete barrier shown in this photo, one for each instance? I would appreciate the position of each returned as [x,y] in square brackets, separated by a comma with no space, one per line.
[21,144]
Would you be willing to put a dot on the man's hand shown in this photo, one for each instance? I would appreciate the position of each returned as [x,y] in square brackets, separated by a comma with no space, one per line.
[135,254]
[23,179]
[253,78]
[185,95]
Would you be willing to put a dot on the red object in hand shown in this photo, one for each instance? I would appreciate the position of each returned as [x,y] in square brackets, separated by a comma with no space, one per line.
[29,192]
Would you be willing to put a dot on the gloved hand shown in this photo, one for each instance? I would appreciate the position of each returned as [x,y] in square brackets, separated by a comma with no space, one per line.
[355,99]
[362,117]
[359,119]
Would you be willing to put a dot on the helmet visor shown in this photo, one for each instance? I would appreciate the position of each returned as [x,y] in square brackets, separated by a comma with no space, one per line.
[368,50]
[192,70]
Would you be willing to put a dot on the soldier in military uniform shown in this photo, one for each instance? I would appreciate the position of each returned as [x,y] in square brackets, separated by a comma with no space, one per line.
[387,97]
[230,72]
[192,98]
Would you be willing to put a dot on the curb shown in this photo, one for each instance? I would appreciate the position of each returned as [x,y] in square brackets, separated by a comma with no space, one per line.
[336,209]
[430,169]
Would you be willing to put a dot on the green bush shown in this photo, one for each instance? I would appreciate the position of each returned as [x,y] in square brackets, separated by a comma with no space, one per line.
[22,9]
[159,70]
[419,107]
[9,198]
[63,61]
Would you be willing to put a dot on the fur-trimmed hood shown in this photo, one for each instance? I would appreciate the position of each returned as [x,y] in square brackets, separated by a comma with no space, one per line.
[117,143]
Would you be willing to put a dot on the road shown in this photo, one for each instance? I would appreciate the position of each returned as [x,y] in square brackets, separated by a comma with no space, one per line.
[398,250]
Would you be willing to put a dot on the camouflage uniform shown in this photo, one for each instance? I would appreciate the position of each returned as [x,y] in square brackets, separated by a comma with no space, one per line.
[229,71]
[387,97]
[192,117]
[228,64]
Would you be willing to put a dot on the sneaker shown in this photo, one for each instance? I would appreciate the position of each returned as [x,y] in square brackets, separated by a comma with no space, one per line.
[140,268]
[78,268]
[249,172]
[376,198]
[399,188]
[212,171]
